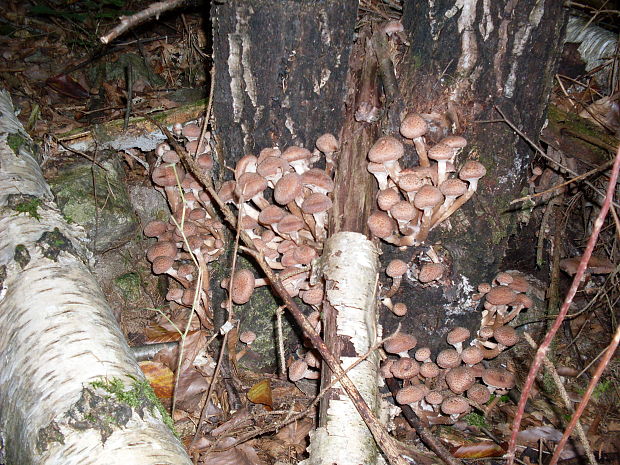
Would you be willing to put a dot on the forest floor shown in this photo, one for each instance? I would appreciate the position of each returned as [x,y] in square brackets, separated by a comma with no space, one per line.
[64,82]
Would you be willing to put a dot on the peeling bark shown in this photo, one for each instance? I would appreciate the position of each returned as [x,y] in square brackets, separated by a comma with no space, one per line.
[60,344]
[280,72]
[343,437]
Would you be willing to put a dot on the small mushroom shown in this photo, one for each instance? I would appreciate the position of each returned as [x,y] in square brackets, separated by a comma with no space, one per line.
[395,270]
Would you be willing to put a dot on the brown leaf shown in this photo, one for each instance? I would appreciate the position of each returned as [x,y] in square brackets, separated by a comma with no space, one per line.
[243,454]
[260,393]
[478,450]
[160,377]
[295,434]
[190,389]
[66,85]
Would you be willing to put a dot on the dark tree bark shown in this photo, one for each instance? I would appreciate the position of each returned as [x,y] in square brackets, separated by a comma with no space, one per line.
[280,72]
[466,59]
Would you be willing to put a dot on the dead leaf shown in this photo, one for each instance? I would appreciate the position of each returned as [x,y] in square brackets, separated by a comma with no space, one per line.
[260,393]
[66,85]
[243,454]
[478,450]
[160,377]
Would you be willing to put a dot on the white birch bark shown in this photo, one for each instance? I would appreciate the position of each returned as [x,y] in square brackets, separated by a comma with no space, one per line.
[350,262]
[58,335]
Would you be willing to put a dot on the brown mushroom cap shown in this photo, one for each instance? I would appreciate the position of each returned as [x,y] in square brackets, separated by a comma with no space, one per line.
[271,215]
[479,393]
[506,335]
[411,394]
[399,343]
[297,370]
[499,378]
[500,295]
[396,268]
[386,149]
[162,264]
[483,288]
[386,198]
[399,309]
[161,249]
[453,187]
[250,184]
[430,272]
[317,180]
[405,368]
[403,211]
[380,224]
[472,355]
[434,397]
[155,229]
[316,203]
[458,334]
[164,175]
[422,354]
[455,142]
[503,278]
[247,337]
[448,358]
[327,143]
[454,405]
[428,197]
[429,370]
[413,126]
[288,188]
[295,153]
[460,379]
[243,286]
[440,152]
[472,170]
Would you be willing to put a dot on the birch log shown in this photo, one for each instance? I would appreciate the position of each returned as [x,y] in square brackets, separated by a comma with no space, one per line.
[58,336]
[350,265]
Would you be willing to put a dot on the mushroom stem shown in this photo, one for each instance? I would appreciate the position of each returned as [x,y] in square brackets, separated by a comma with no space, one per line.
[420,147]
[458,203]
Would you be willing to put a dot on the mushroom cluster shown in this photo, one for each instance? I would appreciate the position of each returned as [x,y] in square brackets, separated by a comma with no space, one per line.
[412,201]
[283,205]
[443,390]
[191,229]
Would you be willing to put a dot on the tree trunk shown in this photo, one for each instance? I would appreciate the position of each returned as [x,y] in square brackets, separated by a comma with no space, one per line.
[70,390]
[280,70]
[466,59]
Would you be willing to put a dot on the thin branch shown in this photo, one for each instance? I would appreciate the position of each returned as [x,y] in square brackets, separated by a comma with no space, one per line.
[127,22]
[564,395]
[542,349]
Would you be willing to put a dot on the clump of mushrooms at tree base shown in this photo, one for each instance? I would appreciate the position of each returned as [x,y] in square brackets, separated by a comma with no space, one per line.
[289,231]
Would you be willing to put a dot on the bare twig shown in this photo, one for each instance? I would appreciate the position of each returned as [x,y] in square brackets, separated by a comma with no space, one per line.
[390,447]
[562,390]
[542,349]
[127,22]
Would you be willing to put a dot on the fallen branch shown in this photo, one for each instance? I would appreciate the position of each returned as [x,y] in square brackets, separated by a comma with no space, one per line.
[542,349]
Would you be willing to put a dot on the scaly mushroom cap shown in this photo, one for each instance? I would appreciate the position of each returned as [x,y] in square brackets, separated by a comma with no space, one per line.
[455,142]
[460,379]
[472,355]
[380,224]
[503,278]
[290,224]
[403,211]
[162,264]
[316,203]
[500,295]
[405,368]
[453,187]
[297,370]
[327,143]
[506,335]
[430,272]
[479,393]
[458,334]
[271,215]
[386,198]
[396,268]
[483,288]
[164,175]
[499,378]
[161,249]
[427,197]
[247,337]
[288,188]
[422,354]
[448,358]
[386,149]
[400,342]
[454,405]
[243,286]
[399,309]
[271,166]
[472,170]
[317,180]
[413,126]
[440,152]
[295,153]
[155,229]
[429,370]
[411,394]
[249,185]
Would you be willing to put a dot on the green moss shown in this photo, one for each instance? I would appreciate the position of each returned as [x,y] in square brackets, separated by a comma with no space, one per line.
[15,141]
[130,285]
[54,242]
[29,204]
[21,256]
[139,396]
[475,419]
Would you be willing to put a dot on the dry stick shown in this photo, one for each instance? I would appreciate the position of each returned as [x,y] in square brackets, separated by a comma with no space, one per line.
[387,443]
[542,153]
[542,349]
[315,401]
[586,397]
[127,22]
[602,167]
[433,443]
[560,386]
